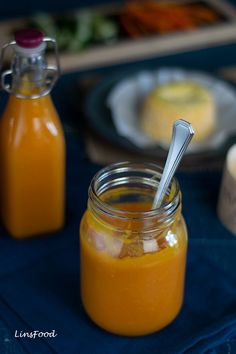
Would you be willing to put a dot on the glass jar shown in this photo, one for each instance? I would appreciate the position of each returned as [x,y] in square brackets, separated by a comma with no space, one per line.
[132,256]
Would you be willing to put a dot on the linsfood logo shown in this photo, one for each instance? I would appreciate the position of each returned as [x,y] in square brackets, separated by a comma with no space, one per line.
[35,334]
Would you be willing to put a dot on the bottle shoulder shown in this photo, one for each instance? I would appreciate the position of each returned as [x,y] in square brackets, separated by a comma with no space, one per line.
[34,120]
[28,109]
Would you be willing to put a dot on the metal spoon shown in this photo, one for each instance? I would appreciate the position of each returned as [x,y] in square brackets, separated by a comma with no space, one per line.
[181,137]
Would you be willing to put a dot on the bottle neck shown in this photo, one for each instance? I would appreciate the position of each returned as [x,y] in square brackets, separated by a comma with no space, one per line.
[28,73]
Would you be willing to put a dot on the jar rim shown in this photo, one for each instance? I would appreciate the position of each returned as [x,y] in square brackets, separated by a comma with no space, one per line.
[167,208]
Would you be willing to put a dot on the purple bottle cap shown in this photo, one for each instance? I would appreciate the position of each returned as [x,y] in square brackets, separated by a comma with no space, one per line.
[29,38]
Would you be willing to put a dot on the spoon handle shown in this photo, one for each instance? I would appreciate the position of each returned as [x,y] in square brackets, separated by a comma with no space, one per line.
[181,137]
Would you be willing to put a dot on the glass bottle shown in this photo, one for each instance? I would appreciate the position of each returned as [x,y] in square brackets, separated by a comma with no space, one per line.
[32,145]
[132,256]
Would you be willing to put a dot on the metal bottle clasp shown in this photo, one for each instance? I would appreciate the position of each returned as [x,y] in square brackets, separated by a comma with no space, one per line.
[52,71]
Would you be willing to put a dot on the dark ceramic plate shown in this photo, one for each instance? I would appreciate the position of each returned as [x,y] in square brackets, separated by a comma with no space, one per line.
[98,117]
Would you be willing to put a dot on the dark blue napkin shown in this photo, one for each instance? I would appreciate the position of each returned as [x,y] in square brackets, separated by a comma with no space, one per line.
[39,281]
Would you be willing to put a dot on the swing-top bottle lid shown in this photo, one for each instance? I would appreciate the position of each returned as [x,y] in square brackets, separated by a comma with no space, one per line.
[29,38]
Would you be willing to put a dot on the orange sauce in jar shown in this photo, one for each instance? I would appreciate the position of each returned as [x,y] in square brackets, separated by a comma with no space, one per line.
[132,267]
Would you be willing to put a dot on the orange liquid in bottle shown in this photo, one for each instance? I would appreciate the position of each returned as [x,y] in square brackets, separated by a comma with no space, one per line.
[130,295]
[32,158]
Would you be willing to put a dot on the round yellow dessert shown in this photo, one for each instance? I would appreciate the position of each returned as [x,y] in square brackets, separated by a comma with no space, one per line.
[174,100]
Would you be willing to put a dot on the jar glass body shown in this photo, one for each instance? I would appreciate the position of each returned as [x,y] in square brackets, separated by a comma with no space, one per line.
[132,257]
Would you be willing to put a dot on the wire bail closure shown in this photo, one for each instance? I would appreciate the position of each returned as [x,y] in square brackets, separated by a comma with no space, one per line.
[52,71]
